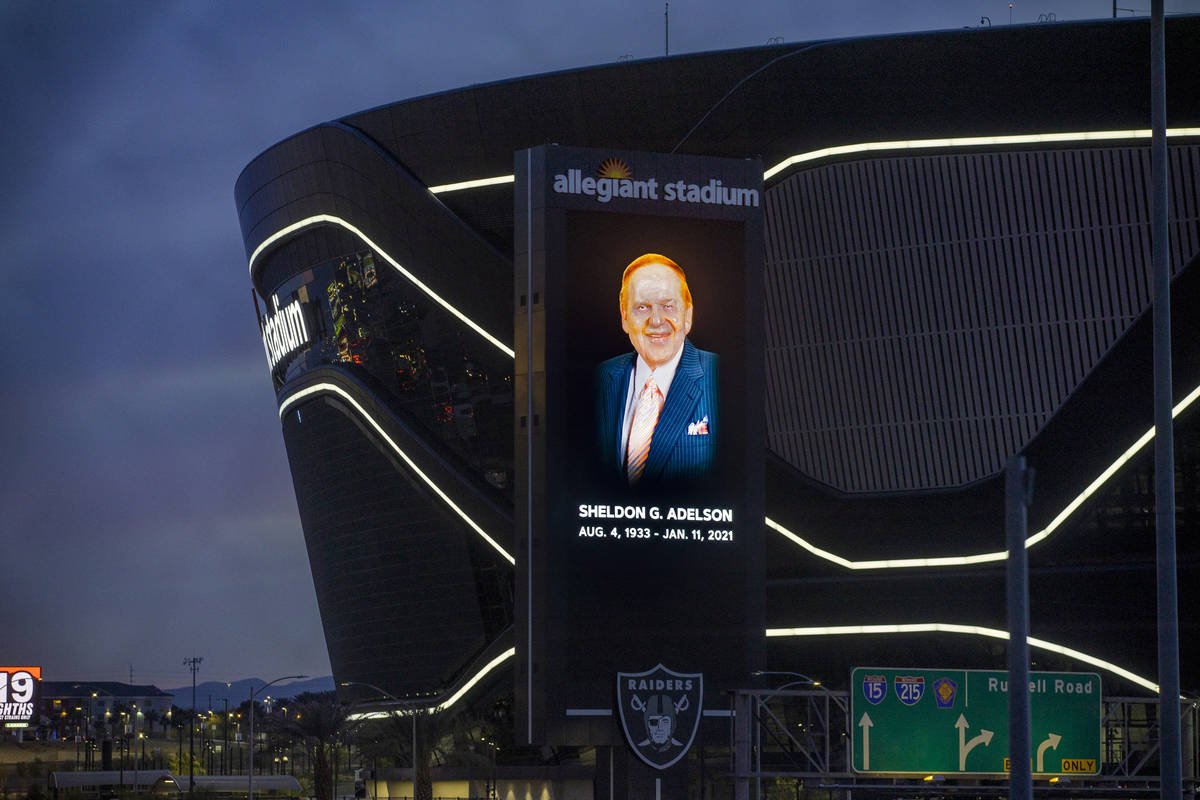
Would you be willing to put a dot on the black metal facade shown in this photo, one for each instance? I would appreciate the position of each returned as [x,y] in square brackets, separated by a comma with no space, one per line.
[929,314]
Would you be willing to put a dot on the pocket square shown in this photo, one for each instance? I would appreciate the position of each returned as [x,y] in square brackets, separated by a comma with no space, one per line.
[698,428]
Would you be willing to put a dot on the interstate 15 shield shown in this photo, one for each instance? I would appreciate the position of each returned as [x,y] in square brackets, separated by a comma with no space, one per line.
[660,712]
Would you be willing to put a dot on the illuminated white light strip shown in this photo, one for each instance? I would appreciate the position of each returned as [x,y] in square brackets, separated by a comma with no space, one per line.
[332,220]
[968,141]
[475,184]
[466,687]
[331,388]
[976,630]
[903,144]
[812,155]
[454,698]
[980,558]
[837,630]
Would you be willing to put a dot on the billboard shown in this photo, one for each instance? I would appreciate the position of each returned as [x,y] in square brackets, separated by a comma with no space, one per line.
[19,690]
[639,435]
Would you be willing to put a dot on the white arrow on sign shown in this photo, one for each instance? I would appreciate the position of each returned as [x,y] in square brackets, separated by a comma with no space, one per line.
[866,725]
[1051,743]
[964,747]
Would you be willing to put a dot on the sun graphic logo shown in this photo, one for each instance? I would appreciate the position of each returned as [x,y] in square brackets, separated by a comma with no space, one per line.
[614,168]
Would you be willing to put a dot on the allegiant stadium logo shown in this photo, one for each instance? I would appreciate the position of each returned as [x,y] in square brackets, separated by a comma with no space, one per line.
[614,180]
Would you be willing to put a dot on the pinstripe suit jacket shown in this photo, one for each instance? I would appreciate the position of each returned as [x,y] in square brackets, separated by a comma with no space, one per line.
[682,447]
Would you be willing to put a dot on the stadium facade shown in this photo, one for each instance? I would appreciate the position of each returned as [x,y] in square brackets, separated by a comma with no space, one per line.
[957,271]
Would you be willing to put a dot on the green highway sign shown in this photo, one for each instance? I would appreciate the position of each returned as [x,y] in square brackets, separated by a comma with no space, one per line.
[955,722]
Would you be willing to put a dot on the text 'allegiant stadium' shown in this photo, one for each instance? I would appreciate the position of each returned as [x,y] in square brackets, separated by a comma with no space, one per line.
[604,189]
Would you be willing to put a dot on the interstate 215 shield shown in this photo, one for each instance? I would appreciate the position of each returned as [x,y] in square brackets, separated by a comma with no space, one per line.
[660,712]
[910,689]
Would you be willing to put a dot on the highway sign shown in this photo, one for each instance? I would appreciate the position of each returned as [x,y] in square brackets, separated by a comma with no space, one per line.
[947,722]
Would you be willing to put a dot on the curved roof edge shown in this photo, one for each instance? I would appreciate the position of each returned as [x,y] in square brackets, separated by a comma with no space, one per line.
[765,48]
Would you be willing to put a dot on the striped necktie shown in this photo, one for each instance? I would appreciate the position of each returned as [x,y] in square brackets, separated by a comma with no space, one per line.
[645,417]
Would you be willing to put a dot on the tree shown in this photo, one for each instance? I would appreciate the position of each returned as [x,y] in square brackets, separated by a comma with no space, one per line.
[388,739]
[316,722]
[151,716]
[118,722]
[171,718]
[394,736]
[459,738]
[178,765]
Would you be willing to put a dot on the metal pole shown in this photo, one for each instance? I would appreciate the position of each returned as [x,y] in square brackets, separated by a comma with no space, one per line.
[1018,485]
[250,771]
[413,711]
[741,745]
[225,759]
[193,664]
[757,748]
[1171,758]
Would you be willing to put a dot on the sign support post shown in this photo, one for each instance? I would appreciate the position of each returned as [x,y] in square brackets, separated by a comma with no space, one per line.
[1018,491]
[1171,768]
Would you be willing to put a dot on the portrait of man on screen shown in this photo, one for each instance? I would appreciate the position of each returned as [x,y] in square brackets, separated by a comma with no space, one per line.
[657,408]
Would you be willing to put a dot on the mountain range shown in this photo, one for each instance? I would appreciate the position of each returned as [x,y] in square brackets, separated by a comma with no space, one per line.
[212,694]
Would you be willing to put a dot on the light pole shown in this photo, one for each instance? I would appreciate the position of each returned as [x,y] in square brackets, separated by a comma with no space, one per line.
[800,677]
[78,714]
[225,731]
[253,691]
[412,711]
[193,664]
[87,734]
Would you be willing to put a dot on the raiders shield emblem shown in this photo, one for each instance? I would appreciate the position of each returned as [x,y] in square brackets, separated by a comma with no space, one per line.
[660,712]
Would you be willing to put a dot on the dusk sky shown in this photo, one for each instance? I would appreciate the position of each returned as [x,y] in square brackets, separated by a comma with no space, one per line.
[148,512]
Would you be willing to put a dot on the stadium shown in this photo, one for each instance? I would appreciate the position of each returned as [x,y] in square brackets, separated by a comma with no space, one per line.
[957,271]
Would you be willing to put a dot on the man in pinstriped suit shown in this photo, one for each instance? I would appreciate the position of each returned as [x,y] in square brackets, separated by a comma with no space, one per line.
[657,408]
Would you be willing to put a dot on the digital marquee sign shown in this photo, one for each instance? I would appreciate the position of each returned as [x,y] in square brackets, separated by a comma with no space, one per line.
[639,419]
[19,690]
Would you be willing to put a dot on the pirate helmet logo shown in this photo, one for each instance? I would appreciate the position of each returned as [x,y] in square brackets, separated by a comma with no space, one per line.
[660,723]
[660,712]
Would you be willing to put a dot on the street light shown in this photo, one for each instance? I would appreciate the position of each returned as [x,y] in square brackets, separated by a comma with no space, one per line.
[225,756]
[250,774]
[87,734]
[801,678]
[412,710]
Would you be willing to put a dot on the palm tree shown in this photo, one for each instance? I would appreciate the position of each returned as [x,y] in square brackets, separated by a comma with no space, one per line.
[459,739]
[388,738]
[151,716]
[316,723]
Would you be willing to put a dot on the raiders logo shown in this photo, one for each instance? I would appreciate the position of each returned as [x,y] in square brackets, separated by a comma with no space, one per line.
[660,712]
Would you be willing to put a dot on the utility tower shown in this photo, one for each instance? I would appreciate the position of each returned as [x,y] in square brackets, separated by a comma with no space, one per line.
[193,664]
